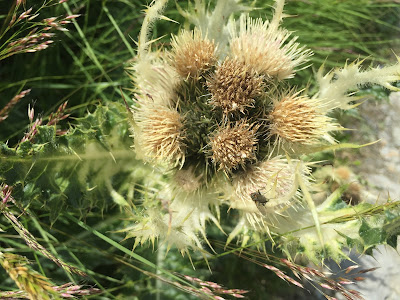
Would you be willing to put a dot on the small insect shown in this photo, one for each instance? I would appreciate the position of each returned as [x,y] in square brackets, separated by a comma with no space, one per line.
[258,198]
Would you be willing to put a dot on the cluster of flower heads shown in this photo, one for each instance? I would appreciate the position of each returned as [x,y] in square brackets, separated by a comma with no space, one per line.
[217,112]
[214,108]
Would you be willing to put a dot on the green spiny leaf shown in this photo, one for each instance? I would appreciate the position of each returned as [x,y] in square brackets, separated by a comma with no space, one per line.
[75,170]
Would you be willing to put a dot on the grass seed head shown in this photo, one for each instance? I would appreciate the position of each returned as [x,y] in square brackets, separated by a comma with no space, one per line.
[34,284]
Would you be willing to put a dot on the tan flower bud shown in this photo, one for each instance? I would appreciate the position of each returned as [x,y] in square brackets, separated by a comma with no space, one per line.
[160,133]
[192,54]
[266,48]
[298,119]
[234,146]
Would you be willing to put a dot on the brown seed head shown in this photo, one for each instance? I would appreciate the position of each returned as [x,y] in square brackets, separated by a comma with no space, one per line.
[234,146]
[297,119]
[234,86]
[192,54]
[160,133]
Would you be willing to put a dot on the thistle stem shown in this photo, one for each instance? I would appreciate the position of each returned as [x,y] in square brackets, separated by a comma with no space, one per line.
[311,205]
[153,12]
[160,265]
[278,14]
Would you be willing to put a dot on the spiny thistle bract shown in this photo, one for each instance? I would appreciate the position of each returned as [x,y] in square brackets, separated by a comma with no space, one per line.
[217,118]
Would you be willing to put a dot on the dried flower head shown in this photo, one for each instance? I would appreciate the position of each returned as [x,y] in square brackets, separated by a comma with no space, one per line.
[192,54]
[298,119]
[160,135]
[234,86]
[266,48]
[233,146]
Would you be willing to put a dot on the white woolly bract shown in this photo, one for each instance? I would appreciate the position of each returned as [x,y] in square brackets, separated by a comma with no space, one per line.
[154,78]
[275,179]
[153,13]
[181,223]
[336,87]
[213,23]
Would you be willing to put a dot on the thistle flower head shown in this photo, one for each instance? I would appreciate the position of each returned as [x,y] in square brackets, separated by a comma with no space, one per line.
[234,146]
[234,86]
[297,119]
[267,49]
[160,136]
[154,78]
[192,54]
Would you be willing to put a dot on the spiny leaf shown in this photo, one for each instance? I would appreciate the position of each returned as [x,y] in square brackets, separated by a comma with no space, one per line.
[75,170]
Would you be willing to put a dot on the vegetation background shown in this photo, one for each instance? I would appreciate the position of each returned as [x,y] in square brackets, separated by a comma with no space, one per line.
[86,66]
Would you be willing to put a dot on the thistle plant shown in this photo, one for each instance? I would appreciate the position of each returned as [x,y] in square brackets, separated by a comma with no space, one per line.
[225,127]
[217,117]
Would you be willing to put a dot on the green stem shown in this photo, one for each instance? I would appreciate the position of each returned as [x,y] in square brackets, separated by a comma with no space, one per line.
[152,13]
[127,251]
[160,264]
[311,205]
